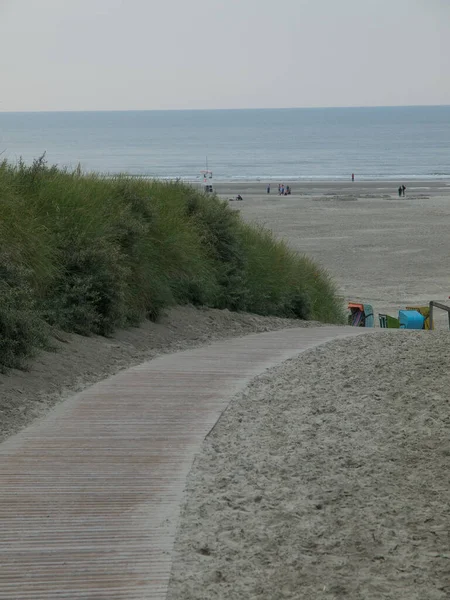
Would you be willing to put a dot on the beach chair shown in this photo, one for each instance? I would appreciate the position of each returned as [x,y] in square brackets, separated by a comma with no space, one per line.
[388,322]
[368,316]
[411,319]
[425,312]
[356,317]
[361,315]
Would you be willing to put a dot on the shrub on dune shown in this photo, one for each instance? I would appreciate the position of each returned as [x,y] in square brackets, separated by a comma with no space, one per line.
[89,254]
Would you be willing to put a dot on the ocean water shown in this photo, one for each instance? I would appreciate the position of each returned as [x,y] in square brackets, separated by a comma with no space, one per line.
[396,143]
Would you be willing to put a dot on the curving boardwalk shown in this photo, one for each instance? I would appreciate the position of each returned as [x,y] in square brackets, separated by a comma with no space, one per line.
[90,495]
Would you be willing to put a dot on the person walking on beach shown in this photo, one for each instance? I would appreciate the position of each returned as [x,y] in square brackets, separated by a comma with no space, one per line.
[353,177]
[268,189]
[403,190]
[399,191]
[279,188]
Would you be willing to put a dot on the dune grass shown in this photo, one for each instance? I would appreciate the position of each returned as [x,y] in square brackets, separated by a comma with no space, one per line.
[89,254]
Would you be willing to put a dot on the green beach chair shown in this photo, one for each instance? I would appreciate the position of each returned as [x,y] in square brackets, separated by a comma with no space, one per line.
[388,322]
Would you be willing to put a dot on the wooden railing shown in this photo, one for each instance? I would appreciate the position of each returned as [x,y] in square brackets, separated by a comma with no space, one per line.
[434,304]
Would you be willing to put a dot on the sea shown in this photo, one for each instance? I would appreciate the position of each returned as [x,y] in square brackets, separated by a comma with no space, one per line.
[385,143]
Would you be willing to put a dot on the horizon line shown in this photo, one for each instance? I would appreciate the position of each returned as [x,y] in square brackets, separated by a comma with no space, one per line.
[116,110]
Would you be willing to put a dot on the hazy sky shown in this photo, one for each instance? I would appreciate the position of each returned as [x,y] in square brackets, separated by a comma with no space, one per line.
[168,54]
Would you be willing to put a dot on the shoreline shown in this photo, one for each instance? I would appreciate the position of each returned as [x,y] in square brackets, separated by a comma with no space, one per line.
[299,189]
[357,190]
[340,186]
[413,180]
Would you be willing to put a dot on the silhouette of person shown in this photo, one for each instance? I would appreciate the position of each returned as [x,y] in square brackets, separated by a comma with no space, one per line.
[403,189]
[400,191]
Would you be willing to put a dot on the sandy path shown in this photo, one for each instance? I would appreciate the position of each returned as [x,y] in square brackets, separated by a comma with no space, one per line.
[327,478]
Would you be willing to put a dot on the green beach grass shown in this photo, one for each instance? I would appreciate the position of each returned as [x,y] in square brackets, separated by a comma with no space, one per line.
[89,254]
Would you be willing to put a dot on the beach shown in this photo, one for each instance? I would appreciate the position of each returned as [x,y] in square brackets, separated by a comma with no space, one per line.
[208,387]
[326,478]
[379,248]
[383,250]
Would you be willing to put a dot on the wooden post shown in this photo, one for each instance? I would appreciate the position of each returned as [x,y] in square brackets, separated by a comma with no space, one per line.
[431,316]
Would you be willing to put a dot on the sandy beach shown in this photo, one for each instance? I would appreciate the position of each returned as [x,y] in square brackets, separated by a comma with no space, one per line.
[380,249]
[326,478]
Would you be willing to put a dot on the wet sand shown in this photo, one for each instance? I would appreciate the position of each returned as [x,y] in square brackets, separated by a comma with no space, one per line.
[380,249]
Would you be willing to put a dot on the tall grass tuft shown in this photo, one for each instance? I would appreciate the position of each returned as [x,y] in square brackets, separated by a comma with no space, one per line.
[89,254]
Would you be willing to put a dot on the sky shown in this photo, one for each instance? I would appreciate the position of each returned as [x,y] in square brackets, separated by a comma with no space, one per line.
[202,54]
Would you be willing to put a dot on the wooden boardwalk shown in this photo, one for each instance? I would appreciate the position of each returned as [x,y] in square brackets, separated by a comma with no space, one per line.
[90,495]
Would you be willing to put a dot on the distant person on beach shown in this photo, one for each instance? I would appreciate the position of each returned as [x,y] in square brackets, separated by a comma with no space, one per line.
[400,191]
[268,189]
[403,189]
[279,188]
[353,177]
